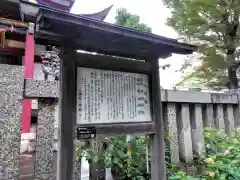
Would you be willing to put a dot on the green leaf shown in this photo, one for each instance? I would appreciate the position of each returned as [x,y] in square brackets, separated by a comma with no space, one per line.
[169,138]
[213,25]
[126,19]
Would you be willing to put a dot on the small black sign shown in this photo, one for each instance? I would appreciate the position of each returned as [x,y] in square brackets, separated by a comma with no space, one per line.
[85,133]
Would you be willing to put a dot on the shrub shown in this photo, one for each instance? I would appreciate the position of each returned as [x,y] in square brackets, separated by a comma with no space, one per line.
[128,159]
[180,175]
[222,158]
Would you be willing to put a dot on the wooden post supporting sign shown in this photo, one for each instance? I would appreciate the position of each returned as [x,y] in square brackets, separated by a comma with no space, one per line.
[158,167]
[67,116]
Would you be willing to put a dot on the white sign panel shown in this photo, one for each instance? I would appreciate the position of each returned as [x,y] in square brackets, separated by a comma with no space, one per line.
[111,97]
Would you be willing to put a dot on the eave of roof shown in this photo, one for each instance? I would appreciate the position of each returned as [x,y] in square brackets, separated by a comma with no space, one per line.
[102,37]
[99,15]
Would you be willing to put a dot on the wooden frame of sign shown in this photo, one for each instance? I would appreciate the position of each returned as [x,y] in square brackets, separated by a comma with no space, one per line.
[118,99]
[70,61]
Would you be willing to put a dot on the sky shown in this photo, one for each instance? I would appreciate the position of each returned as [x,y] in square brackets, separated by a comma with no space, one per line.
[151,12]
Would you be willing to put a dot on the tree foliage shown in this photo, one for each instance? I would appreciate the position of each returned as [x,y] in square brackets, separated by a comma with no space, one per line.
[126,19]
[214,26]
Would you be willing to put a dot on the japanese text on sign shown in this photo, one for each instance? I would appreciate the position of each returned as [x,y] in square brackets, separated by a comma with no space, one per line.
[105,96]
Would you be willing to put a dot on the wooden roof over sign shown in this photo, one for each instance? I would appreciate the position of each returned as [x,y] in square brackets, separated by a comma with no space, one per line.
[97,36]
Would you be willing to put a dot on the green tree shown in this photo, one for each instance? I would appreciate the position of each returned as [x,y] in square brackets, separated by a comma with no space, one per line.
[214,26]
[126,19]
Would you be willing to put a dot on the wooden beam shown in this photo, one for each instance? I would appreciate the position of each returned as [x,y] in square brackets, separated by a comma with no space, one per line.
[13,23]
[158,167]
[126,128]
[67,116]
[112,63]
[12,51]
[17,52]
[21,45]
[14,44]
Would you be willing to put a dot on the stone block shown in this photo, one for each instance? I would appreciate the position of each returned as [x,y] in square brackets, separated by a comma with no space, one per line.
[11,90]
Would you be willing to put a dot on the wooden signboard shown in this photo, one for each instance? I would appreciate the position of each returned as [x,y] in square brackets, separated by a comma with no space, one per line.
[105,96]
[109,96]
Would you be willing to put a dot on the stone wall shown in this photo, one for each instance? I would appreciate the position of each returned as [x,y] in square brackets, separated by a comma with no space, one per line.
[11,90]
[44,141]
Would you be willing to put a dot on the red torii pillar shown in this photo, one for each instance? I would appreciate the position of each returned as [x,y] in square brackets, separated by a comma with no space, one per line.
[28,74]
